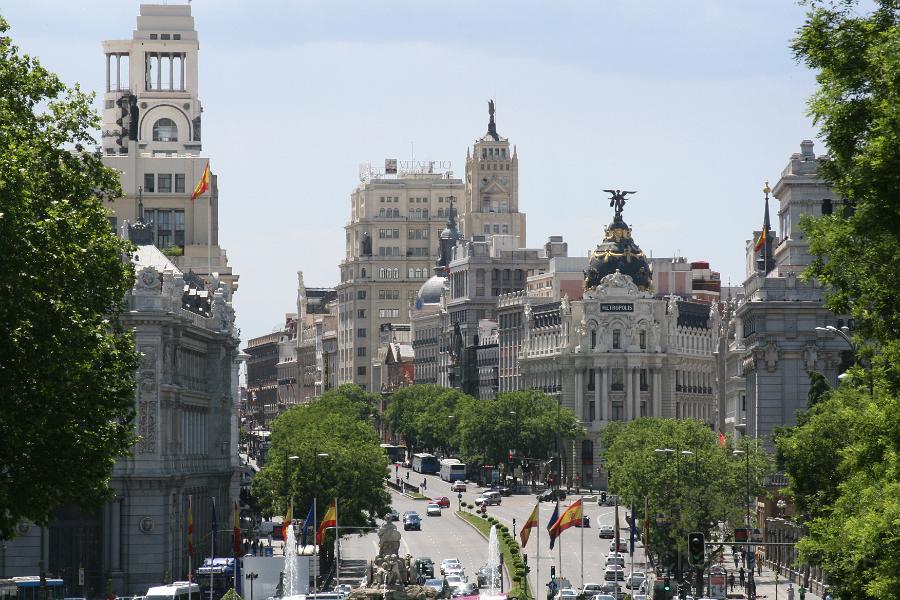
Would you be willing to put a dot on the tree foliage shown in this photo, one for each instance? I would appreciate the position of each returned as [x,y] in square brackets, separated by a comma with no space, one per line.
[689,491]
[66,366]
[856,106]
[353,472]
[842,464]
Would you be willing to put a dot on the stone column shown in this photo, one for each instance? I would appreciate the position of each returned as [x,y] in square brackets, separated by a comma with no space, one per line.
[118,72]
[107,72]
[181,62]
[629,400]
[657,393]
[115,534]
[636,384]
[158,71]
[598,402]
[579,393]
[171,72]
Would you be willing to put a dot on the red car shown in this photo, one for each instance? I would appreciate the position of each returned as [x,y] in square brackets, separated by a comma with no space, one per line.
[443,501]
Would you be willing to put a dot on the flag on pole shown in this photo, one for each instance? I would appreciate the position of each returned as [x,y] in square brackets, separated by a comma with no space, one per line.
[289,516]
[329,519]
[214,523]
[572,516]
[632,530]
[202,185]
[190,532]
[721,439]
[531,522]
[646,526]
[553,518]
[237,532]
[617,525]
[760,242]
[307,525]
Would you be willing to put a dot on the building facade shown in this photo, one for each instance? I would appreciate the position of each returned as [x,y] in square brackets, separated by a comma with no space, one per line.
[771,341]
[151,134]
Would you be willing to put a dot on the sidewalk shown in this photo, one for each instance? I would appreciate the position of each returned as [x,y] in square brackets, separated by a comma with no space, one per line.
[766,588]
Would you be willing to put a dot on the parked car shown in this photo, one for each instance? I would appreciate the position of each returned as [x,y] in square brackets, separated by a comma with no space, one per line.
[425,566]
[447,563]
[442,501]
[458,486]
[433,510]
[551,495]
[465,589]
[412,521]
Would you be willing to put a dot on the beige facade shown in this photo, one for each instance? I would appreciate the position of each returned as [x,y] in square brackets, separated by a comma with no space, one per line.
[151,134]
[391,246]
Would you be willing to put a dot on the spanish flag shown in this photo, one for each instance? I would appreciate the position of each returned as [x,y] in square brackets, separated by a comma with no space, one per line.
[761,241]
[190,536]
[237,532]
[721,439]
[526,528]
[574,514]
[202,185]
[288,516]
[329,519]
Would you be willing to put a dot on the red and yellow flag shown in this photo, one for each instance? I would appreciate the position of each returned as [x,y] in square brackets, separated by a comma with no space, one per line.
[526,528]
[288,516]
[721,439]
[190,536]
[329,519]
[761,241]
[237,532]
[202,185]
[574,514]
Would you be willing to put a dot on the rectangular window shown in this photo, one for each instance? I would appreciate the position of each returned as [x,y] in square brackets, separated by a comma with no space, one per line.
[176,36]
[361,351]
[113,223]
[381,294]
[506,230]
[360,370]
[179,228]
[148,182]
[179,183]
[360,313]
[361,332]
[644,385]
[164,36]
[643,340]
[487,228]
[360,294]
[617,339]
[165,183]
[617,379]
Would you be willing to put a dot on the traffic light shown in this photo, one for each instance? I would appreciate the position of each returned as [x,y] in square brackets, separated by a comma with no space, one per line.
[511,455]
[603,497]
[696,549]
[552,571]
[525,560]
[668,592]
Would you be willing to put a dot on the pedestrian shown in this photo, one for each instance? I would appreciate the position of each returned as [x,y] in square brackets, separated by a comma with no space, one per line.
[790,591]
[802,591]
[407,475]
[759,563]
[424,484]
[741,573]
[736,559]
[827,593]
[731,584]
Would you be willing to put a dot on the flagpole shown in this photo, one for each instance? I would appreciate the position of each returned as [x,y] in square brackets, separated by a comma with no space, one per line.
[212,549]
[190,544]
[581,526]
[538,552]
[209,237]
[337,542]
[315,544]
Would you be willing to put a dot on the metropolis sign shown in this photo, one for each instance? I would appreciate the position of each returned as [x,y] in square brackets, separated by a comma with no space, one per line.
[618,307]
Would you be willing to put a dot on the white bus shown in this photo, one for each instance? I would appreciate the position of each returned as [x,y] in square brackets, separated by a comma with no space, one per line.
[453,470]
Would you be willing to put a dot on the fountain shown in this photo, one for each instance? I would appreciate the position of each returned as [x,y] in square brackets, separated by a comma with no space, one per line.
[493,564]
[291,585]
[390,576]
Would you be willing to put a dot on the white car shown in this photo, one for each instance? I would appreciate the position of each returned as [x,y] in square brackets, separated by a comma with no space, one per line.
[623,545]
[433,510]
[591,589]
[635,580]
[454,580]
[566,594]
[606,597]
[614,573]
[457,570]
[450,562]
[617,560]
[458,486]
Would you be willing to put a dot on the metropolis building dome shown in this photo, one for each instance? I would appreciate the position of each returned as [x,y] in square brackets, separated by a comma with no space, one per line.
[431,290]
[618,252]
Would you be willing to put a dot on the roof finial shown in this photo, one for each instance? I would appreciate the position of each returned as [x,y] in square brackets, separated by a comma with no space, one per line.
[617,199]
[767,190]
[492,126]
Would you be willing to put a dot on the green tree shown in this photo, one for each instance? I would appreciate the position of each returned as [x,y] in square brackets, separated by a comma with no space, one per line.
[856,59]
[353,470]
[66,365]
[425,416]
[698,482]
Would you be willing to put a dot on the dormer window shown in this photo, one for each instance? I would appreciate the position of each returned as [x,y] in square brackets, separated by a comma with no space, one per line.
[165,130]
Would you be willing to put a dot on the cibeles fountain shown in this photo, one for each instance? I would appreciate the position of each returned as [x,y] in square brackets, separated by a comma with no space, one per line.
[391,576]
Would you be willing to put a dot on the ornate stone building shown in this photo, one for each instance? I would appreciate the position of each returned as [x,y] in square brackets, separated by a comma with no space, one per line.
[617,354]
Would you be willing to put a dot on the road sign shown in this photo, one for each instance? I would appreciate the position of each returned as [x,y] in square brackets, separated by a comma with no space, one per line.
[459,495]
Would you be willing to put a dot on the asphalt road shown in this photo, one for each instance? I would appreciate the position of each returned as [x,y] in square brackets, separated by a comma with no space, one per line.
[452,537]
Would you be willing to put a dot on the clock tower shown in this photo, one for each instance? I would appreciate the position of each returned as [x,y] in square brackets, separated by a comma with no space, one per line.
[491,203]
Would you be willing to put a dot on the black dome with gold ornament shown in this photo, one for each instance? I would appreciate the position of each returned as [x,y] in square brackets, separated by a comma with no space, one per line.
[618,251]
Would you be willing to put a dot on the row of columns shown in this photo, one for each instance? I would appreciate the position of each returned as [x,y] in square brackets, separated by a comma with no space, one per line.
[118,56]
[632,388]
[159,56]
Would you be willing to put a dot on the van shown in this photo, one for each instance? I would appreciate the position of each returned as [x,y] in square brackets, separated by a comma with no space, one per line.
[492,497]
[178,590]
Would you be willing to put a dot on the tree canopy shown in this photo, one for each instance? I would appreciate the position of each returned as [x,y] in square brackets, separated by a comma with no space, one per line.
[66,365]
[841,458]
[696,483]
[336,425]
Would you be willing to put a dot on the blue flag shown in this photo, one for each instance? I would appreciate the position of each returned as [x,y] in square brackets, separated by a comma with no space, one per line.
[632,530]
[215,525]
[553,519]
[307,525]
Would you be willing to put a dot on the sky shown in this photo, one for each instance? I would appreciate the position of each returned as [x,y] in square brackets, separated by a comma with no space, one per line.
[695,104]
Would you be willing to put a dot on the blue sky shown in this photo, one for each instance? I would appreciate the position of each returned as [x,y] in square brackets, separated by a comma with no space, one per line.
[694,103]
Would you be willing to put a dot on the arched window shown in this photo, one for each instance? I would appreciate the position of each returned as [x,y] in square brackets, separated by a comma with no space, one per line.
[165,130]
[396,212]
[381,211]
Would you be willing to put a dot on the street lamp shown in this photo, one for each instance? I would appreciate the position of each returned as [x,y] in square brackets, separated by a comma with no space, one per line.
[316,517]
[251,576]
[670,452]
[750,583]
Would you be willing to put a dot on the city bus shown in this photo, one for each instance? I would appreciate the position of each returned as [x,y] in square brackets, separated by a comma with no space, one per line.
[453,470]
[8,589]
[395,454]
[29,588]
[425,463]
[215,577]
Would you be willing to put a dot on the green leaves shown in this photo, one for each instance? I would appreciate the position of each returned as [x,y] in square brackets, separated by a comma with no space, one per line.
[66,365]
[336,425]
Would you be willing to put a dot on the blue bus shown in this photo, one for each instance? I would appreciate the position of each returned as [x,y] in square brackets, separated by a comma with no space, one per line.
[395,454]
[215,577]
[425,463]
[29,588]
